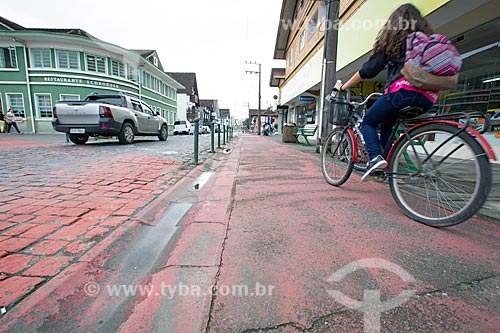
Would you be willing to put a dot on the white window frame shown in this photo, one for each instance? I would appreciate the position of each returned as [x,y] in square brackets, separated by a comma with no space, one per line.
[12,49]
[302,40]
[322,13]
[312,25]
[62,97]
[58,65]
[9,106]
[133,73]
[37,105]
[33,53]
[146,80]
[96,56]
[120,67]
[290,58]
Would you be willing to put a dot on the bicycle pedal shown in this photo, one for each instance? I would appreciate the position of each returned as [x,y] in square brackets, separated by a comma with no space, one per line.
[379,175]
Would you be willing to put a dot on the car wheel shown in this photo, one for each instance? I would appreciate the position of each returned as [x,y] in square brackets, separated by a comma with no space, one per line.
[163,133]
[126,135]
[78,139]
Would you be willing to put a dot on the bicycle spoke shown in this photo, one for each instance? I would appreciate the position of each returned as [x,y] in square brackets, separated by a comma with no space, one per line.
[440,184]
[336,157]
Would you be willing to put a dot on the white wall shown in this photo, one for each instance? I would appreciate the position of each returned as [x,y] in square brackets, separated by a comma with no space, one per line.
[183,104]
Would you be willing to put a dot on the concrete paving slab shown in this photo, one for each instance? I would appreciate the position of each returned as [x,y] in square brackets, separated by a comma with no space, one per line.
[291,238]
[199,245]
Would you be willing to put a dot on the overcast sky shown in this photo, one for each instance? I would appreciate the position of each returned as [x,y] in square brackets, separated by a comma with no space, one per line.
[211,38]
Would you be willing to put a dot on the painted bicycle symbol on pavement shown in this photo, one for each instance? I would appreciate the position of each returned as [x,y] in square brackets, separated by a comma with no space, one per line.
[371,306]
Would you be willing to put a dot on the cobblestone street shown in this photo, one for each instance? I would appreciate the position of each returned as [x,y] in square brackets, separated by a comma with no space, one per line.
[58,200]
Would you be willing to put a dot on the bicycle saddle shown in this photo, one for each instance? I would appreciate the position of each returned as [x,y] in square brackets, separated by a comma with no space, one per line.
[410,112]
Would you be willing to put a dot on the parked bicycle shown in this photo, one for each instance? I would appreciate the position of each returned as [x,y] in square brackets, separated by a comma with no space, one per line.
[439,171]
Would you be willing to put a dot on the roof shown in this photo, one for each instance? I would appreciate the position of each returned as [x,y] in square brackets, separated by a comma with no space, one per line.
[147,54]
[277,75]
[188,80]
[144,53]
[76,32]
[211,104]
[224,113]
[16,27]
[263,112]
[11,25]
[284,28]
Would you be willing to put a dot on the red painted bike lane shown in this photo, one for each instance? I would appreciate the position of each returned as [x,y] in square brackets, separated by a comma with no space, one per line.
[267,245]
[312,257]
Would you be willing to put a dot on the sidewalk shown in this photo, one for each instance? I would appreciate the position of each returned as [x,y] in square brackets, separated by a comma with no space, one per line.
[490,210]
[322,249]
[285,253]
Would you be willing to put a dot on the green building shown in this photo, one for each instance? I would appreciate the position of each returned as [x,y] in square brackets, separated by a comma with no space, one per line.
[39,67]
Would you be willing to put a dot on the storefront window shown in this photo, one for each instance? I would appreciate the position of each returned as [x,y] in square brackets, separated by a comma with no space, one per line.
[306,114]
[478,88]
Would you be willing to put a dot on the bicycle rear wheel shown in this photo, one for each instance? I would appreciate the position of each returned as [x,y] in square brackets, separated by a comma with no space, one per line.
[336,157]
[437,179]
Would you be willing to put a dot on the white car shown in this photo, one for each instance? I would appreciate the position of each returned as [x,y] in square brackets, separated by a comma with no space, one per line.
[202,130]
[495,120]
[205,129]
[108,115]
[182,127]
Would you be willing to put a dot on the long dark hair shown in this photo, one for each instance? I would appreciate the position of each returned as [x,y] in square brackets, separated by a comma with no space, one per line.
[391,39]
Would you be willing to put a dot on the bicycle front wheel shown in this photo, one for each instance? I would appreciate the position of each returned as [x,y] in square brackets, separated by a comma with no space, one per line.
[336,157]
[438,176]
[363,159]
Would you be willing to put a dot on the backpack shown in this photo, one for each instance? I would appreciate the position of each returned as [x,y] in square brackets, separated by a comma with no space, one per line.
[431,62]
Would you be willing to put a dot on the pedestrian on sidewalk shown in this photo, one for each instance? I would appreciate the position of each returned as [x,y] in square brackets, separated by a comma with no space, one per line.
[2,122]
[389,51]
[10,119]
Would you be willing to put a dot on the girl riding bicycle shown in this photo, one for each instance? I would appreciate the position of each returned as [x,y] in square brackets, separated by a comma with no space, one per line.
[389,50]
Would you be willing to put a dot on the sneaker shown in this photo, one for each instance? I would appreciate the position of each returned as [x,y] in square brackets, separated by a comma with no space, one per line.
[375,164]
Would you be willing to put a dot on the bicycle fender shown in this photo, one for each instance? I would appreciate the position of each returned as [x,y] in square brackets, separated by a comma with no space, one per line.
[482,141]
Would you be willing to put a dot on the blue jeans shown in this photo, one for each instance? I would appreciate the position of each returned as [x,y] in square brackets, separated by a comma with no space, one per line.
[384,112]
[13,124]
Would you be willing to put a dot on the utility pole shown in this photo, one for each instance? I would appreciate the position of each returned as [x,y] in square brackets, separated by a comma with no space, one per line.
[329,67]
[256,72]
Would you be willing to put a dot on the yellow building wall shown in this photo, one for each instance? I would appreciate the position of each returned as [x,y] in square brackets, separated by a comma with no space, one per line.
[357,34]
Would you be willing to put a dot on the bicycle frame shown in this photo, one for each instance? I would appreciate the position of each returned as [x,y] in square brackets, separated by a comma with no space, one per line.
[389,150]
[485,144]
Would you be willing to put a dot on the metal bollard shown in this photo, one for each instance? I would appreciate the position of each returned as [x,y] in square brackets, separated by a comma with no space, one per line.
[212,137]
[224,134]
[196,140]
[218,136]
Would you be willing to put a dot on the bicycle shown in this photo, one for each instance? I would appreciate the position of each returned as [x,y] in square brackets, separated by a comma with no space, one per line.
[438,169]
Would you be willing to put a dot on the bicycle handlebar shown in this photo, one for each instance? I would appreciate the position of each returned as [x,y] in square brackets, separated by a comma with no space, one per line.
[334,93]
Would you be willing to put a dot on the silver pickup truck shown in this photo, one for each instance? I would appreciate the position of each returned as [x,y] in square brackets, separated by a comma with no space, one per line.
[108,115]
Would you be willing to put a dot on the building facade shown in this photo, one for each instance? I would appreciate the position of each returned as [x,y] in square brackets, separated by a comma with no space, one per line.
[473,26]
[209,111]
[39,67]
[188,100]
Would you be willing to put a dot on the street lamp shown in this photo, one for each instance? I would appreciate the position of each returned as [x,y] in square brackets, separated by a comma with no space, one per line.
[256,72]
